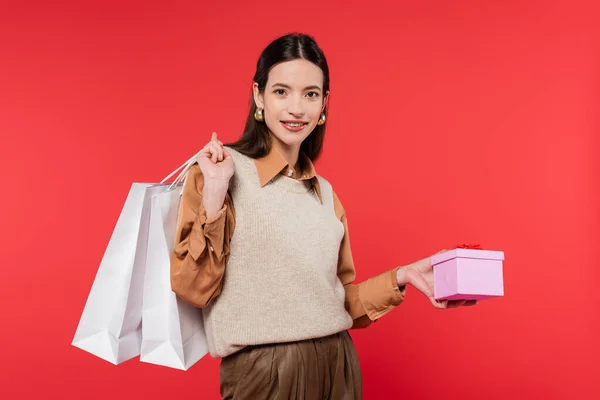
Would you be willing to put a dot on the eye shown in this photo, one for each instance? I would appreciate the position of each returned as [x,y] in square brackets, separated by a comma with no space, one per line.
[312,94]
[280,92]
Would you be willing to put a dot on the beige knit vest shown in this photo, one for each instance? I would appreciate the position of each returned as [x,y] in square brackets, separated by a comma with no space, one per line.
[281,282]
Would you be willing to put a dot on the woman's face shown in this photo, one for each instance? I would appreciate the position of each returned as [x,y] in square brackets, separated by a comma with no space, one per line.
[292,101]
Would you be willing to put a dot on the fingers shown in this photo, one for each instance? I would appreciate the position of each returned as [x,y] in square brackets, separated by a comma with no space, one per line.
[226,153]
[441,304]
[214,149]
[452,303]
[218,145]
[211,152]
[214,138]
[421,284]
[219,149]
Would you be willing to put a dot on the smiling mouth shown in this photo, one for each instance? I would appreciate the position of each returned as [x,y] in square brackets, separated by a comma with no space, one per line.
[294,124]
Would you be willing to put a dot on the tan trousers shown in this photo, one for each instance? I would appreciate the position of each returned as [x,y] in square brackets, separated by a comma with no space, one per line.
[325,368]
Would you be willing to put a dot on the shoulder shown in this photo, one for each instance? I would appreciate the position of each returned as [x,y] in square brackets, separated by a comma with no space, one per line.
[338,207]
[327,187]
[324,182]
[238,157]
[234,152]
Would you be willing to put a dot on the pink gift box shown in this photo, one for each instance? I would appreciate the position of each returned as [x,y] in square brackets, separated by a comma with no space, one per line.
[467,274]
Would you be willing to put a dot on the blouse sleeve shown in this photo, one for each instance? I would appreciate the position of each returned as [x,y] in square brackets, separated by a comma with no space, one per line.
[369,300]
[201,244]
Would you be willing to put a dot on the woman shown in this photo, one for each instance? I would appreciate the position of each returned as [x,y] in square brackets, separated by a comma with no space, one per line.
[262,245]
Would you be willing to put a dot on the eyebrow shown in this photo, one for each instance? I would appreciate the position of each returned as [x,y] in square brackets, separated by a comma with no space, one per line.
[289,87]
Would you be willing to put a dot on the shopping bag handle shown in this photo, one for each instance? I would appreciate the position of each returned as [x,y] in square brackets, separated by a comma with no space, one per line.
[186,166]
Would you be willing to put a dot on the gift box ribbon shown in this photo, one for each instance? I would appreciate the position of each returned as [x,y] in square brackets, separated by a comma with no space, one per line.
[469,246]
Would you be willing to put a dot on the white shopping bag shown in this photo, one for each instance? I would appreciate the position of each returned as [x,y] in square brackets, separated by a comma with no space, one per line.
[172,330]
[110,325]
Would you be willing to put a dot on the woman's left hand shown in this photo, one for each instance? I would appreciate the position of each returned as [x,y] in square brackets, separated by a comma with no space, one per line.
[420,275]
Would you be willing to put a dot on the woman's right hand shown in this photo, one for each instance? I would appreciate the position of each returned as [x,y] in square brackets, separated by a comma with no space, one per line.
[215,161]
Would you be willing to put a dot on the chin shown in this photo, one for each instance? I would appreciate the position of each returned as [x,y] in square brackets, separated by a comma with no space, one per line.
[289,138]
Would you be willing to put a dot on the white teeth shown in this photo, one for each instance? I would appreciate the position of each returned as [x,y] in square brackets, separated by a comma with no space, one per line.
[293,124]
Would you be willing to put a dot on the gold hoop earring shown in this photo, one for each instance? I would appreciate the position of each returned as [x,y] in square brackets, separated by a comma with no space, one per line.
[322,119]
[259,115]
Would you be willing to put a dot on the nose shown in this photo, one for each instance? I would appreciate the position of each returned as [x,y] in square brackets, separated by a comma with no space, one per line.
[294,107]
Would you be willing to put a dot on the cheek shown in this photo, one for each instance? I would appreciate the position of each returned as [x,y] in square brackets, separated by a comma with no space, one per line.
[273,112]
[314,110]
[273,107]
